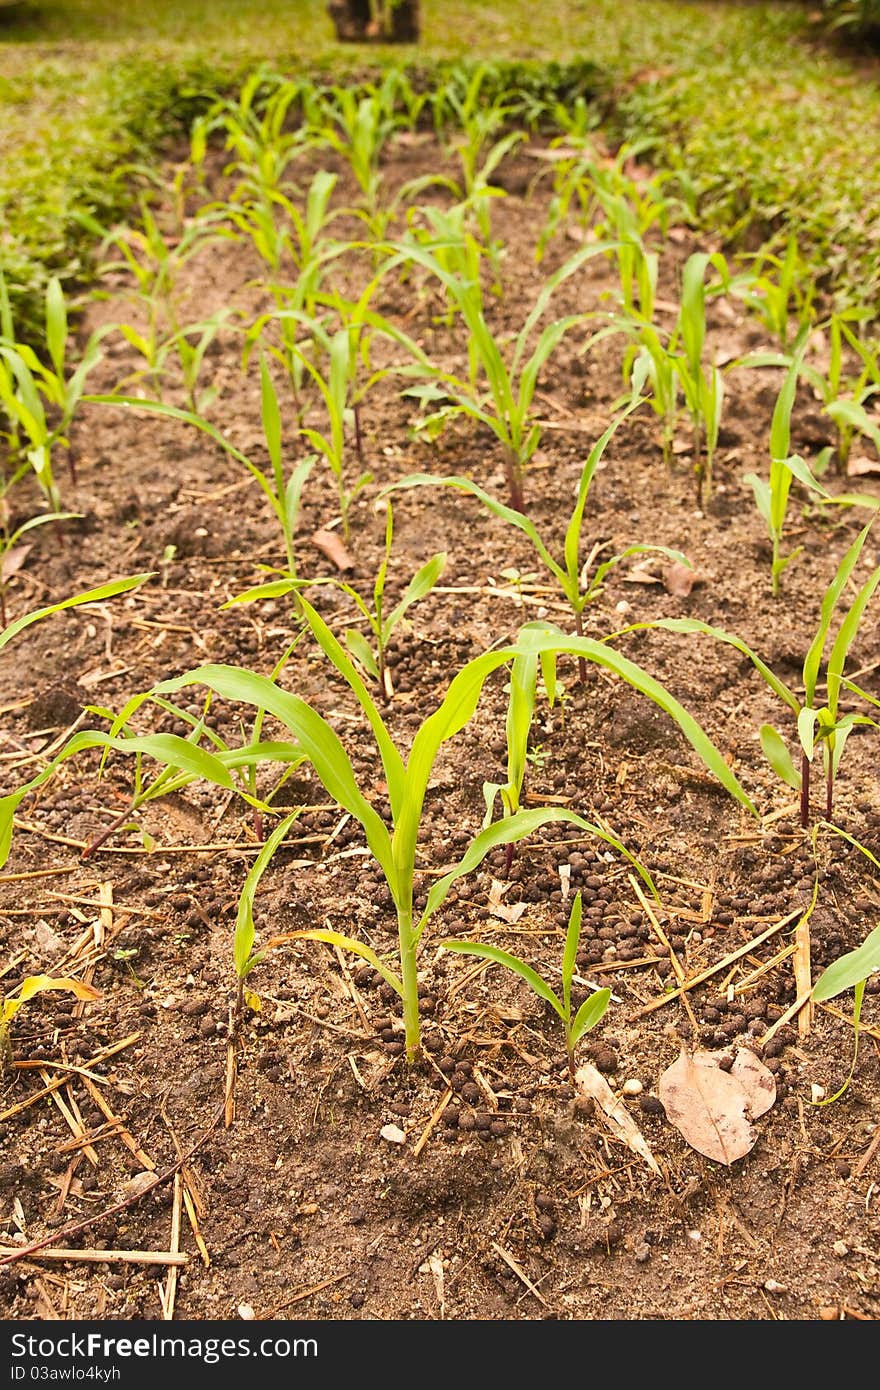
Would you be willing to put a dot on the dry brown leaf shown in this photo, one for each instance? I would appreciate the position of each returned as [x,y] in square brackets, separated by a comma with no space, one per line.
[505,912]
[679,579]
[861,465]
[330,545]
[713,1109]
[593,1084]
[13,561]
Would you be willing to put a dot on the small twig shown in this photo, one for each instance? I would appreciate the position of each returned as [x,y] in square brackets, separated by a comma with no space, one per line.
[423,1137]
[170,1290]
[129,1257]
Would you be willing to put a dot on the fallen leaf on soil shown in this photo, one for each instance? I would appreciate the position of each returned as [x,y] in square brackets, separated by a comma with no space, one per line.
[592,1083]
[506,912]
[330,545]
[678,579]
[713,1109]
[13,561]
[859,466]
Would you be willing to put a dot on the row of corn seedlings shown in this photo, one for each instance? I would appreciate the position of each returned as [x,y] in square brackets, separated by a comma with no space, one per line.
[324,343]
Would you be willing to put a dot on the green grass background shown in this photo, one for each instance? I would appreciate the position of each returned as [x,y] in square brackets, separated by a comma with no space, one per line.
[774,129]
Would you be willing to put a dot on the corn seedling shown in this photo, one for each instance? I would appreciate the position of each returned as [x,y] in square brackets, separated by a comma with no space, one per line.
[777,290]
[381,624]
[496,394]
[701,382]
[772,494]
[580,578]
[39,398]
[843,394]
[154,259]
[357,124]
[259,133]
[816,724]
[394,848]
[576,1024]
[282,492]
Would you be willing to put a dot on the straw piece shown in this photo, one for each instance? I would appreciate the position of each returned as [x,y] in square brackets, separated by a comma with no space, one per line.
[129,1257]
[130,1143]
[74,1121]
[519,1272]
[715,969]
[423,1137]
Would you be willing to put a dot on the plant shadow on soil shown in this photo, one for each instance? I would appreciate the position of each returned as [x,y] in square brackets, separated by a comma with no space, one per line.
[509,1198]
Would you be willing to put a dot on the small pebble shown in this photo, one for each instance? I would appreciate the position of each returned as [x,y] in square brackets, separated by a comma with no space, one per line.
[393,1134]
[840,1248]
[632,1086]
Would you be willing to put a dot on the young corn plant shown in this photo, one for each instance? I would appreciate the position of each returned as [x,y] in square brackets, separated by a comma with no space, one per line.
[282,491]
[496,393]
[818,725]
[39,398]
[779,290]
[772,494]
[575,1023]
[701,382]
[154,259]
[298,251]
[380,622]
[580,578]
[357,123]
[394,845]
[844,394]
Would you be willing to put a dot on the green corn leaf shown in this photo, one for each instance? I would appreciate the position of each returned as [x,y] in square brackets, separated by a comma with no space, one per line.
[98,595]
[695,625]
[830,598]
[780,426]
[573,530]
[508,514]
[855,416]
[519,967]
[418,587]
[588,1015]
[392,762]
[318,740]
[361,651]
[347,943]
[56,324]
[849,970]
[245,930]
[846,635]
[569,954]
[511,830]
[780,759]
[806,727]
[802,471]
[271,416]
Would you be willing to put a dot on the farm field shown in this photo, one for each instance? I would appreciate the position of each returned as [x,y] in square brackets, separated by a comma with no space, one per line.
[441,862]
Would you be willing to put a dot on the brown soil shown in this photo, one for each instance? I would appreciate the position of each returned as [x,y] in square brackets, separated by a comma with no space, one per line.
[509,1197]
